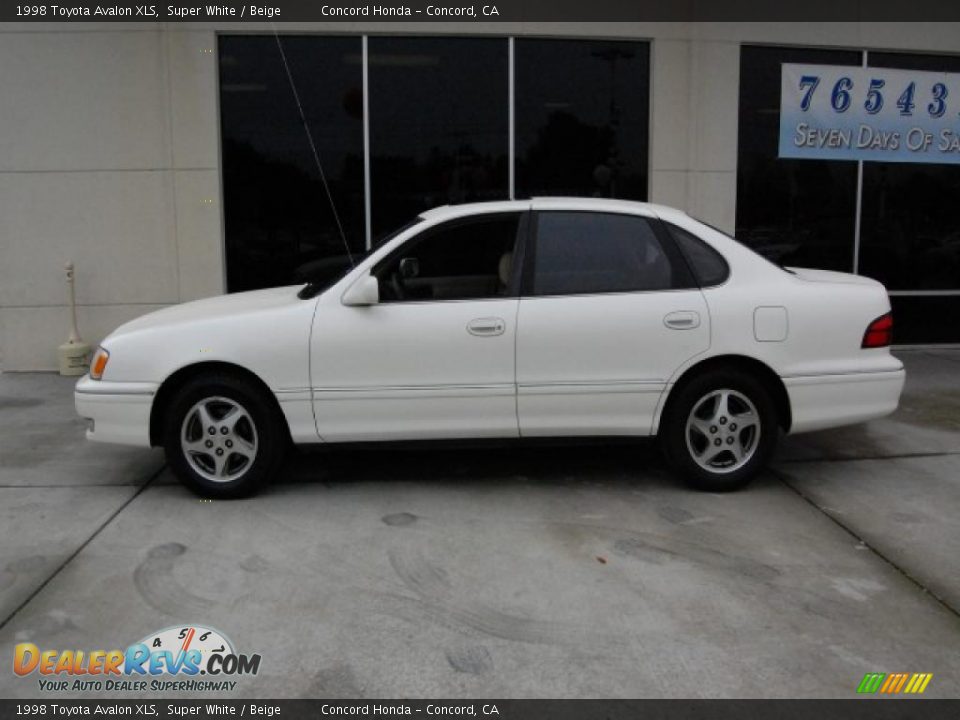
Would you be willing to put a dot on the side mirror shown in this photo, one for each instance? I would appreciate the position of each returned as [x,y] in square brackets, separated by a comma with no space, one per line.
[365,291]
[409,268]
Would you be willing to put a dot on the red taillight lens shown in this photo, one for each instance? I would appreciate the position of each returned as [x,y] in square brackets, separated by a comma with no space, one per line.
[879,333]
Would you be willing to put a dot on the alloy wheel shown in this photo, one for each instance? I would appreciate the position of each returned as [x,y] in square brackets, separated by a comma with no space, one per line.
[219,439]
[723,431]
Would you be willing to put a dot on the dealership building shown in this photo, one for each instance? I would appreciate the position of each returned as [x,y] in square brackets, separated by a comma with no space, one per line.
[169,162]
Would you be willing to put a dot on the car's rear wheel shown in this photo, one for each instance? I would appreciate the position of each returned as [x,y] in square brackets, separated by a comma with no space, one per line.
[720,430]
[223,436]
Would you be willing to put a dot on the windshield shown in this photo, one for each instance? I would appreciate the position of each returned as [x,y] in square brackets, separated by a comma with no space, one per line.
[331,270]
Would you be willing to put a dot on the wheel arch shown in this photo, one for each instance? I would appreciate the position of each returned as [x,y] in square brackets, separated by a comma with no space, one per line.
[757,368]
[181,377]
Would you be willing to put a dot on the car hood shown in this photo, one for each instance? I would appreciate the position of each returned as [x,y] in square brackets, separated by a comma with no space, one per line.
[214,308]
[831,276]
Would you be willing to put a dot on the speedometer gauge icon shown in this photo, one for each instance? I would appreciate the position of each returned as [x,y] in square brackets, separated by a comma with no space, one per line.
[180,639]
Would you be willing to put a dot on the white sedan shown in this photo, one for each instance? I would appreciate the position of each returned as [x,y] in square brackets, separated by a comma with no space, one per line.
[549,317]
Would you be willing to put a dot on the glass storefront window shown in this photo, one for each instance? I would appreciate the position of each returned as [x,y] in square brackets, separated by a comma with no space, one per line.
[803,212]
[909,234]
[582,118]
[438,134]
[279,224]
[925,319]
[438,124]
[796,212]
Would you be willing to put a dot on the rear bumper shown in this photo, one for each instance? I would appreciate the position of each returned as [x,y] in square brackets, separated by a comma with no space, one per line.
[118,412]
[825,401]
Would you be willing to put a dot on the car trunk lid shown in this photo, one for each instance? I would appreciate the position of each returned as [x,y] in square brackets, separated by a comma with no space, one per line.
[831,276]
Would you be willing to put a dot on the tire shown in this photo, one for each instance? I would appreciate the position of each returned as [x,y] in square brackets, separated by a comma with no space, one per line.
[716,449]
[248,443]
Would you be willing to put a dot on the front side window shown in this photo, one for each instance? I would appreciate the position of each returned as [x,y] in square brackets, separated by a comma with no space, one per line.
[585,252]
[468,259]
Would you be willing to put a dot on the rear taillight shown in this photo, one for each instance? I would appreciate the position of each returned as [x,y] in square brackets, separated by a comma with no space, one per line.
[879,333]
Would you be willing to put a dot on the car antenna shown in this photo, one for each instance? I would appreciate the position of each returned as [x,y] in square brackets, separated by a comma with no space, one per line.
[313,146]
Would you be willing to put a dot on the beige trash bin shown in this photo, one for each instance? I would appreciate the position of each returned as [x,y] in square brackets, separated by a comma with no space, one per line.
[74,354]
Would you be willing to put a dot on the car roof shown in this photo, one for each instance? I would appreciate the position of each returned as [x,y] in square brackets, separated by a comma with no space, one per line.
[551,203]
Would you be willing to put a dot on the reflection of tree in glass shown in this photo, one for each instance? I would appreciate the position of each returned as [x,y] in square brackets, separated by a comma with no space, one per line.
[405,186]
[567,155]
[909,237]
[278,217]
[582,118]
[797,212]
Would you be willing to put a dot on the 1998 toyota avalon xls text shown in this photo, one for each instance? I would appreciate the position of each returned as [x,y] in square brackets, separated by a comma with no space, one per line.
[545,317]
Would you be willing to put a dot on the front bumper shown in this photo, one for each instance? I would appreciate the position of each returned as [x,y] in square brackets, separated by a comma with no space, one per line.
[825,401]
[119,412]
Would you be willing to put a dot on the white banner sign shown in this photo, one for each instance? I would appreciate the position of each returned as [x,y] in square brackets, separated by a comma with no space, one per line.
[838,112]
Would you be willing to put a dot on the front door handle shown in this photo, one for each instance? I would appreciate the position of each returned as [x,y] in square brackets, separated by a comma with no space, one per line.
[486,326]
[682,320]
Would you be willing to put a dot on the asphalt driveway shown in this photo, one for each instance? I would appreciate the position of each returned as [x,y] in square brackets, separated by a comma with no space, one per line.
[570,571]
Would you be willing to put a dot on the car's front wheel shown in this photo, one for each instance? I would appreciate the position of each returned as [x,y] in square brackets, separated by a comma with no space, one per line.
[223,437]
[720,430]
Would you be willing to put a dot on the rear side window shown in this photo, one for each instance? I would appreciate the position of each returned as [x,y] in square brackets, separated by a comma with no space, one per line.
[586,252]
[707,265]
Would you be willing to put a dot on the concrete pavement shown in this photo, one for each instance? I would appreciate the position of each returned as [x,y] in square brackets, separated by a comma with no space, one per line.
[578,571]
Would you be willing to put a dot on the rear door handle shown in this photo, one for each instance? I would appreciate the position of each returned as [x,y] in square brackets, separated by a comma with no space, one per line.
[682,320]
[486,326]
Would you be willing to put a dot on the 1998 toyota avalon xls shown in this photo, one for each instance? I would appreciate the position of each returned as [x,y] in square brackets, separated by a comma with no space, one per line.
[536,318]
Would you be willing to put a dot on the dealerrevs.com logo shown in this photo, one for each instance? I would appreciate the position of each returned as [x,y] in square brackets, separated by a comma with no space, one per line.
[192,658]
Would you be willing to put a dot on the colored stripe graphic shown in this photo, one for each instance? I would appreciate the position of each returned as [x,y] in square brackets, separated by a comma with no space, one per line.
[871,682]
[922,682]
[894,683]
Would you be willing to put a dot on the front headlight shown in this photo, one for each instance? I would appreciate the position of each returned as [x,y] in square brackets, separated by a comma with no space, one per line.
[99,363]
